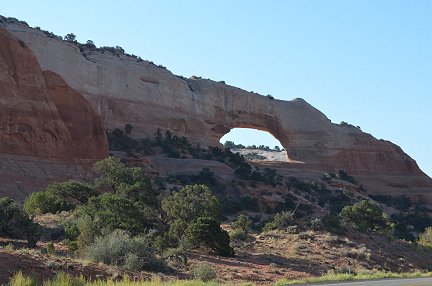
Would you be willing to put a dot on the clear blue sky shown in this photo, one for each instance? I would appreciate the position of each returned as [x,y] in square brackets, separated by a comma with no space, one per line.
[365,62]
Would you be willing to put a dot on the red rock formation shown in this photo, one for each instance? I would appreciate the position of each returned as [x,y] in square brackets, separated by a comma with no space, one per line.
[39,114]
[125,90]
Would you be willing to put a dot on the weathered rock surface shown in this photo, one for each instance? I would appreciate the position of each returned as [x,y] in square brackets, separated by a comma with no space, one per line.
[41,116]
[125,90]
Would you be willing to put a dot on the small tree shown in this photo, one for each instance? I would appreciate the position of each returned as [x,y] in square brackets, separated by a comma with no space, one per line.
[206,232]
[72,191]
[130,182]
[366,217]
[90,43]
[59,197]
[71,37]
[229,144]
[191,202]
[15,223]
[42,203]
[113,211]
[243,222]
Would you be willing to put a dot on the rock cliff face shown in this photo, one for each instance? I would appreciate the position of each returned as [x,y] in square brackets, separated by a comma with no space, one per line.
[41,118]
[124,90]
[40,115]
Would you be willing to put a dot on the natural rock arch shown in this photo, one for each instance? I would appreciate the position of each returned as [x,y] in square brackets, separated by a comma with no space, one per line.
[125,90]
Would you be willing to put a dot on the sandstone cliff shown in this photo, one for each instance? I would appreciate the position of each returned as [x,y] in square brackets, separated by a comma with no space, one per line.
[41,118]
[39,114]
[123,89]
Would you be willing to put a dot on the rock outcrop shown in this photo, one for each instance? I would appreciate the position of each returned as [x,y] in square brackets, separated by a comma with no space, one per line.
[41,116]
[124,89]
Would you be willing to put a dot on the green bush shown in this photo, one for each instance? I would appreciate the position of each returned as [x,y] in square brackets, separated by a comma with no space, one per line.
[72,192]
[15,223]
[59,197]
[425,238]
[129,182]
[332,223]
[242,222]
[238,234]
[204,272]
[281,221]
[112,211]
[188,204]
[206,232]
[42,203]
[120,249]
[367,217]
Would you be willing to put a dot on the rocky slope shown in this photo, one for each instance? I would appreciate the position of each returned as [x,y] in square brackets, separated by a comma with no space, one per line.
[124,89]
[41,118]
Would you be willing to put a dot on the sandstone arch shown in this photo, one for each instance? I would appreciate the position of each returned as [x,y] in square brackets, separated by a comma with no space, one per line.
[204,110]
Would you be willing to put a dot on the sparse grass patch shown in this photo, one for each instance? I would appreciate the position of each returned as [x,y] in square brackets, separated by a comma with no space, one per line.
[357,276]
[63,279]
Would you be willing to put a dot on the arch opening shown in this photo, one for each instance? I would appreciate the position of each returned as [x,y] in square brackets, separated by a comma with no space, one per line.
[255,145]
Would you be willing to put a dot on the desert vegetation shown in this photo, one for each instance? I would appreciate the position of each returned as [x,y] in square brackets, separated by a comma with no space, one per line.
[137,222]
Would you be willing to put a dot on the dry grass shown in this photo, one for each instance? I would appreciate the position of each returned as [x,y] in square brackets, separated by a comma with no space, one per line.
[63,279]
[359,276]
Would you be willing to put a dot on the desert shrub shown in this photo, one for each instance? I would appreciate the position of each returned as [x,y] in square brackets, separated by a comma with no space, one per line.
[316,224]
[175,257]
[20,280]
[112,211]
[271,177]
[88,231]
[244,171]
[119,140]
[59,197]
[120,249]
[129,182]
[44,202]
[72,192]
[425,238]
[338,201]
[342,175]
[206,232]
[50,248]
[292,229]
[243,223]
[308,235]
[238,234]
[15,223]
[71,231]
[280,221]
[332,223]
[204,272]
[191,202]
[366,217]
